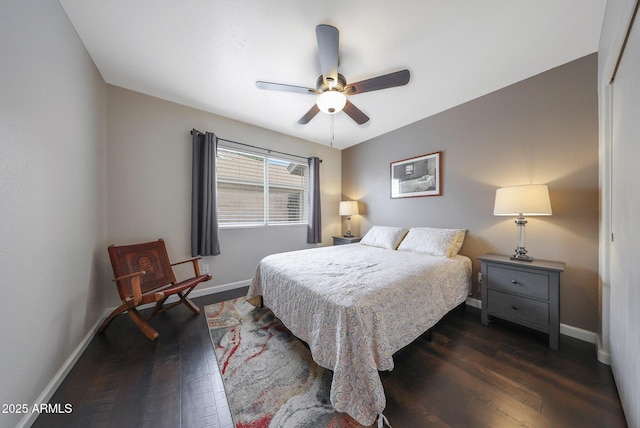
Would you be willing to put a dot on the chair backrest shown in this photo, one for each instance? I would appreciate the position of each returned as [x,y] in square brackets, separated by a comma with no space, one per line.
[150,257]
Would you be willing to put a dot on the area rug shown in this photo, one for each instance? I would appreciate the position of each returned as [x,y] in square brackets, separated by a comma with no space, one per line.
[269,376]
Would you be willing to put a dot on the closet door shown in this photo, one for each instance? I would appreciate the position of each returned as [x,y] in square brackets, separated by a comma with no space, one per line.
[625,225]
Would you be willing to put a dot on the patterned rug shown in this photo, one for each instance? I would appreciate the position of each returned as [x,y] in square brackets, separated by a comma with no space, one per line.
[269,375]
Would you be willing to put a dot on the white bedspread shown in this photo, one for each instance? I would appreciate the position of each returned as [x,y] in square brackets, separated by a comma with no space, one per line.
[356,305]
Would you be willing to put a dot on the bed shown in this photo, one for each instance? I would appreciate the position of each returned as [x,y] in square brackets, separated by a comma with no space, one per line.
[356,305]
[421,184]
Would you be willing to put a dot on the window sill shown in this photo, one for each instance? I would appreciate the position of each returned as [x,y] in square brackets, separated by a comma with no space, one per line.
[260,226]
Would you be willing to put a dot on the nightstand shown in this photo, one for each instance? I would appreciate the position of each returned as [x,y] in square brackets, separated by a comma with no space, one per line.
[525,293]
[342,240]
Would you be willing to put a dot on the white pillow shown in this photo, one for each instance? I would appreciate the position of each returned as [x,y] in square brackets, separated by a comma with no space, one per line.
[436,242]
[384,237]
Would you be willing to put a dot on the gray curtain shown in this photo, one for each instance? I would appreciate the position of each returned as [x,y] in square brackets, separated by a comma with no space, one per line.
[314,229]
[204,204]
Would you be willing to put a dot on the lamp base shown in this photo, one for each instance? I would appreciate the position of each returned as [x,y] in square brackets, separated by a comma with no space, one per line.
[348,235]
[521,254]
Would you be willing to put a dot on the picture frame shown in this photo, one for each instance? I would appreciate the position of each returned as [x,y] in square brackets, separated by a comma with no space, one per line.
[416,177]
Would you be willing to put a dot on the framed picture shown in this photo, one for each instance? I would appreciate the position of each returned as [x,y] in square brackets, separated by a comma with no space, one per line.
[419,176]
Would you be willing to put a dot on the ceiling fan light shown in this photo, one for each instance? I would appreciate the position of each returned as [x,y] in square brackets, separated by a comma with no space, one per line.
[331,102]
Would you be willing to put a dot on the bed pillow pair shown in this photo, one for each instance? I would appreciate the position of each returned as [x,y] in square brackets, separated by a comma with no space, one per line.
[384,237]
[436,242]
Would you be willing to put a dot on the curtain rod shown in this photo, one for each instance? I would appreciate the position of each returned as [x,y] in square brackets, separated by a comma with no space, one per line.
[255,147]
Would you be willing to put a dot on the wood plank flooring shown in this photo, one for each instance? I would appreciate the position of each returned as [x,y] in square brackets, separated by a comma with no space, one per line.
[469,375]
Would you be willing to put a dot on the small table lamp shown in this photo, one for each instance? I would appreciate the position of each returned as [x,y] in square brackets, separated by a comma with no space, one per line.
[520,201]
[348,208]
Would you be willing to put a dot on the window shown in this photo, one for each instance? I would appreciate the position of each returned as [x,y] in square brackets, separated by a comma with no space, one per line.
[260,190]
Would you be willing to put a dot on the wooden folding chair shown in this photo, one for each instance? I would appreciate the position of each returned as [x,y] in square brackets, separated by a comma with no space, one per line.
[144,274]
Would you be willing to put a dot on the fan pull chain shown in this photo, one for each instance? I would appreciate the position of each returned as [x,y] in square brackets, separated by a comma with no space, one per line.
[332,132]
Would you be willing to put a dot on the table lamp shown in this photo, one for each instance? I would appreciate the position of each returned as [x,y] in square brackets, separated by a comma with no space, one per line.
[348,208]
[521,201]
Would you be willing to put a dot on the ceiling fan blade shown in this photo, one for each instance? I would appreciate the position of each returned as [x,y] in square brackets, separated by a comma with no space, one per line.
[328,49]
[398,78]
[285,88]
[355,113]
[309,115]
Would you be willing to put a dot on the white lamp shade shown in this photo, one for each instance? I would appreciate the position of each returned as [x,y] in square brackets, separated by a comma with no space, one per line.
[348,208]
[527,200]
[331,102]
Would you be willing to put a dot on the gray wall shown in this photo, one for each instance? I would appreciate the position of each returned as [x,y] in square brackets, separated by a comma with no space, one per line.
[149,163]
[69,143]
[543,130]
[55,154]
[52,197]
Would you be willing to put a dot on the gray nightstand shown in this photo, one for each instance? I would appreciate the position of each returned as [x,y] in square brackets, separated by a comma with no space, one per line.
[525,293]
[342,240]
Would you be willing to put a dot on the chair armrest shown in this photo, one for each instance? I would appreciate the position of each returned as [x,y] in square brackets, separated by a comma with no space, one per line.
[194,261]
[142,272]
[135,287]
[186,261]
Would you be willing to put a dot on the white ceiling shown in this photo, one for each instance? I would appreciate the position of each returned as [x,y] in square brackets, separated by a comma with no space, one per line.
[207,54]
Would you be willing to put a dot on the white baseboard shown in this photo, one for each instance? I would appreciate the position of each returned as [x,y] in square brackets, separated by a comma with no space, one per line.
[603,355]
[196,293]
[474,303]
[220,288]
[578,333]
[57,379]
[567,330]
[44,397]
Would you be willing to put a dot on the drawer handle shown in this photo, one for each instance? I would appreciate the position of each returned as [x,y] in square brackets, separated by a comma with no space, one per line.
[513,281]
[514,307]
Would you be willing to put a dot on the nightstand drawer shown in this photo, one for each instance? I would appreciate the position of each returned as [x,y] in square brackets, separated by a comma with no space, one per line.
[526,293]
[519,309]
[518,281]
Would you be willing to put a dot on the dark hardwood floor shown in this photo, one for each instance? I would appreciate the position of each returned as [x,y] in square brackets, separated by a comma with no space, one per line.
[469,375]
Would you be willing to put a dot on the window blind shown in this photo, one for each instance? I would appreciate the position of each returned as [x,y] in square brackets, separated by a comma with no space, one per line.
[260,190]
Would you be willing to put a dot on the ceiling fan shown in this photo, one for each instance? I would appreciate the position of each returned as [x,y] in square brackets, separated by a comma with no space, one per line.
[332,89]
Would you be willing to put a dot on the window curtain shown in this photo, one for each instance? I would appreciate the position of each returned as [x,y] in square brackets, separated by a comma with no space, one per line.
[204,205]
[314,229]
